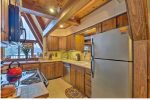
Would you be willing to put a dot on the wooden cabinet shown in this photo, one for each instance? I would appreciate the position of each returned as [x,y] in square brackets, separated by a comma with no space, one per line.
[122,20]
[48,70]
[52,70]
[79,42]
[77,77]
[52,43]
[109,24]
[31,66]
[58,70]
[63,43]
[88,83]
[71,42]
[73,75]
[4,20]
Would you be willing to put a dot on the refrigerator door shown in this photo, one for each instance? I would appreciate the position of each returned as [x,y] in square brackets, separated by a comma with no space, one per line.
[112,45]
[112,79]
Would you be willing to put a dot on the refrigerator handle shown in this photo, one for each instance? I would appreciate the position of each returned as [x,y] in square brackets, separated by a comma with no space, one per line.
[92,48]
[92,57]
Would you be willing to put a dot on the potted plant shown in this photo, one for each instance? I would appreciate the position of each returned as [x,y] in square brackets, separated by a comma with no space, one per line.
[26,49]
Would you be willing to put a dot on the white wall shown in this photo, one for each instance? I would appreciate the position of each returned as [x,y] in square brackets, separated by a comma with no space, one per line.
[107,11]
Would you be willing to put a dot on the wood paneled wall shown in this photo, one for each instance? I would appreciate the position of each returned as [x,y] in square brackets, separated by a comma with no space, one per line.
[138,21]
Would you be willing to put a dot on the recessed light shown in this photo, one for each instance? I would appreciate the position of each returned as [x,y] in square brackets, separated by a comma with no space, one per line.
[61,26]
[51,10]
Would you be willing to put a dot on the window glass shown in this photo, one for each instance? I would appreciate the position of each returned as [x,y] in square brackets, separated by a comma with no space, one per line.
[30,35]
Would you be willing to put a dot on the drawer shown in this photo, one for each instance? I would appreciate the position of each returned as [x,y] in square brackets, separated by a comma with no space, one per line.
[30,66]
[87,91]
[87,79]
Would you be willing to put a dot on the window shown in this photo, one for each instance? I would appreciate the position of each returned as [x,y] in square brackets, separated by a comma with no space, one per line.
[14,51]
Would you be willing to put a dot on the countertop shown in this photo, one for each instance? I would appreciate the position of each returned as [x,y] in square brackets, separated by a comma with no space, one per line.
[84,64]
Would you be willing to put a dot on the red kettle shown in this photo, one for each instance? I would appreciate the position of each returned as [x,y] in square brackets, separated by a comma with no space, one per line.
[15,73]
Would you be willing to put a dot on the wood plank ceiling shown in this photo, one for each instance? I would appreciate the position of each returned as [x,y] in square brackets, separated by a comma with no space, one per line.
[42,10]
[42,7]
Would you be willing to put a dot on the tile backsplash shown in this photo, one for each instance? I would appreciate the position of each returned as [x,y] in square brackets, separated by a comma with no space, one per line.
[51,55]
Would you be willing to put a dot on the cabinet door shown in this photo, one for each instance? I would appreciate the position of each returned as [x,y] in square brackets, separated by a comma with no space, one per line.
[52,43]
[58,69]
[80,79]
[109,24]
[62,43]
[122,20]
[70,42]
[79,42]
[48,70]
[31,66]
[43,69]
[73,75]
[4,20]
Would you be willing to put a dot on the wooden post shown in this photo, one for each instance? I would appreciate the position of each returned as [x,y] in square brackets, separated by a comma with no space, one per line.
[138,22]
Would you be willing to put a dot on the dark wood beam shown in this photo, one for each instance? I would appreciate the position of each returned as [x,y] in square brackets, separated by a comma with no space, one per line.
[41,22]
[71,8]
[34,29]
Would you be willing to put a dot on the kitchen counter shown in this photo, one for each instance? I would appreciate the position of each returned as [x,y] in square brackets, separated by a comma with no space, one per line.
[84,64]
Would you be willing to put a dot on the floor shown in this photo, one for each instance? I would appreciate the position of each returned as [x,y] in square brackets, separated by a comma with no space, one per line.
[57,88]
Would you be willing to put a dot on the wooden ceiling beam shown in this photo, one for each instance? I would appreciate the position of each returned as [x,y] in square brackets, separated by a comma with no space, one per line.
[71,8]
[34,29]
[75,21]
[41,22]
[29,11]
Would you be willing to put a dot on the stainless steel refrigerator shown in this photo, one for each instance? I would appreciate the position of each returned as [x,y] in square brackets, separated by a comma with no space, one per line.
[112,65]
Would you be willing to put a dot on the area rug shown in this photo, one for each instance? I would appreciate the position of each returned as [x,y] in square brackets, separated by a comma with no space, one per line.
[73,93]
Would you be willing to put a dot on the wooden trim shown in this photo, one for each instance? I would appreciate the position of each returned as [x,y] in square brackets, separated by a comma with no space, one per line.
[138,23]
[140,69]
[138,18]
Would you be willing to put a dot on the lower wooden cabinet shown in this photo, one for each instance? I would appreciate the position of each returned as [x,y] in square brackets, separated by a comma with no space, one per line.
[88,83]
[77,77]
[31,66]
[80,79]
[48,70]
[52,70]
[58,70]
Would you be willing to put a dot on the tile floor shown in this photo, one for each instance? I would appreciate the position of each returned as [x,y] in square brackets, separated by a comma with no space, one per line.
[57,88]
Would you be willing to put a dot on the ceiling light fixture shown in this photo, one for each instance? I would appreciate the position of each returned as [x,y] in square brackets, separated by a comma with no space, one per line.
[61,26]
[51,10]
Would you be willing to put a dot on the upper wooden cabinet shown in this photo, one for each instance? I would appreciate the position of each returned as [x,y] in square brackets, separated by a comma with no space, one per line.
[79,42]
[53,43]
[63,43]
[109,24]
[70,42]
[122,20]
[4,20]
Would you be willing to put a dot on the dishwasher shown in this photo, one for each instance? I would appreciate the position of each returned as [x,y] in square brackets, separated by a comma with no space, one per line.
[66,76]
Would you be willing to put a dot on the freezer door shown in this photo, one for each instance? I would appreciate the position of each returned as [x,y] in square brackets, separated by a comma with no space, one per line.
[112,79]
[112,45]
